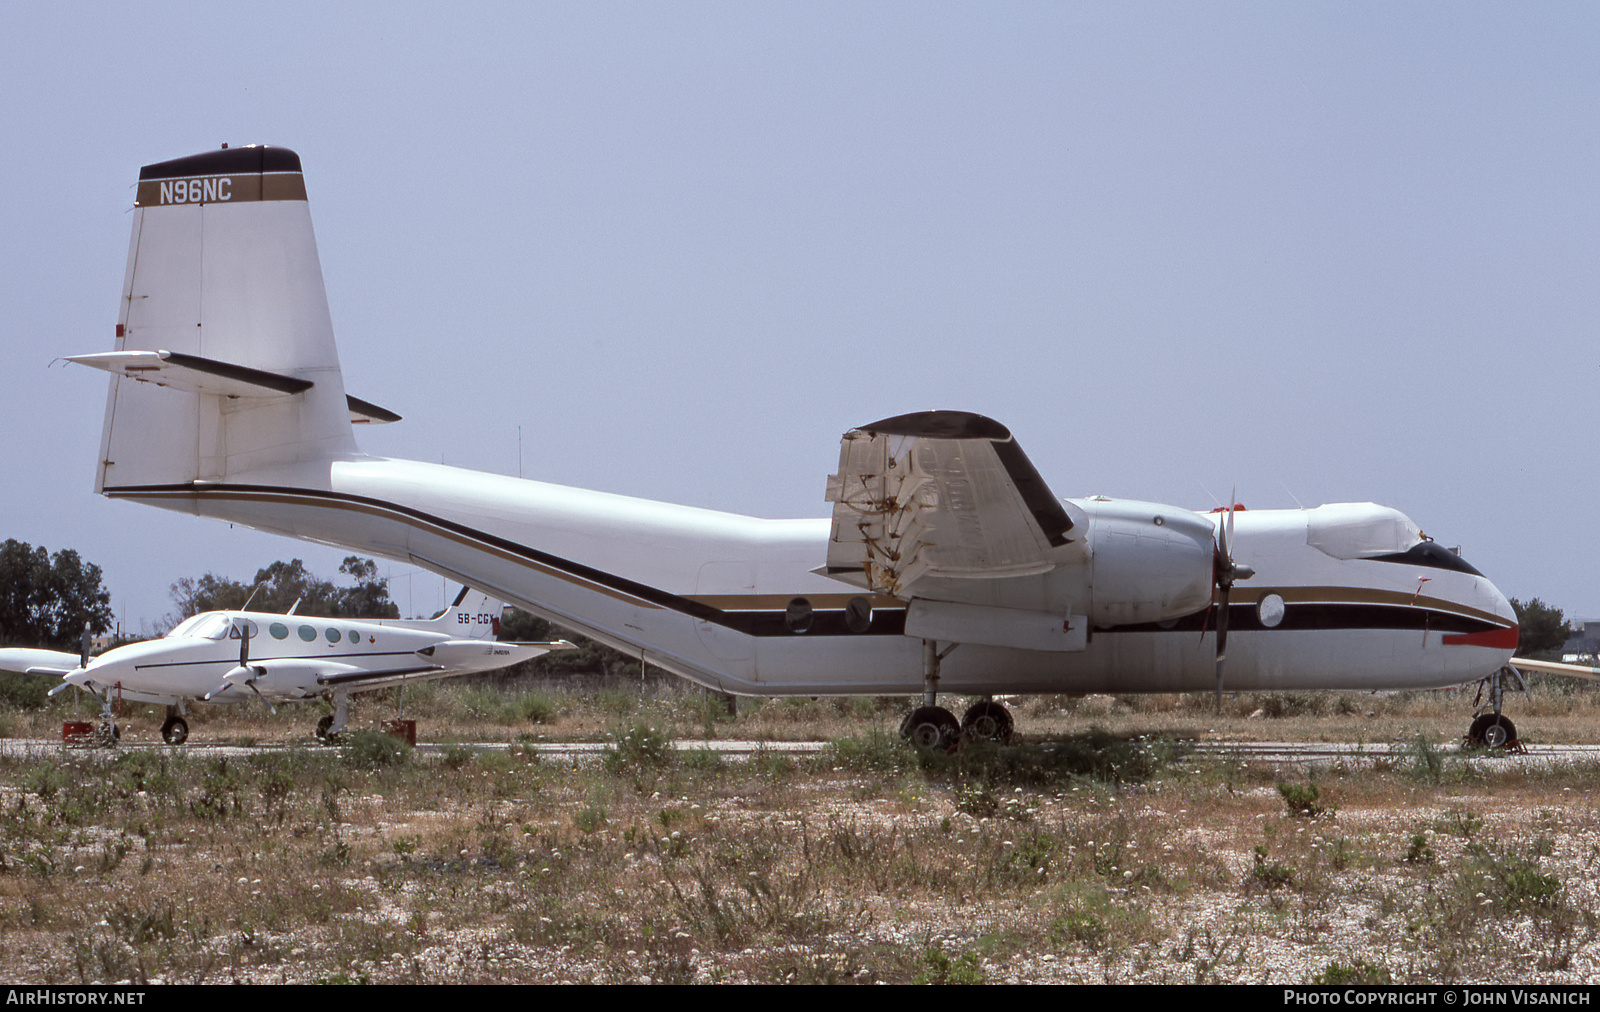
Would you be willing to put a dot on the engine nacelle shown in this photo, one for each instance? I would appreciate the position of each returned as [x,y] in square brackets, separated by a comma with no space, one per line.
[1150,563]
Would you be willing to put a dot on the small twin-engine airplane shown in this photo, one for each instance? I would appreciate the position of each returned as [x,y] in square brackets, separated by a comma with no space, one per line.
[235,656]
[948,564]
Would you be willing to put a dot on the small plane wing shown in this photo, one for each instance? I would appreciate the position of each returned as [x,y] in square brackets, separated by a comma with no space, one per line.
[25,661]
[939,494]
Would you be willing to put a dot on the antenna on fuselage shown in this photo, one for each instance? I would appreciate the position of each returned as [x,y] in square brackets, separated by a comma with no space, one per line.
[296,604]
[253,592]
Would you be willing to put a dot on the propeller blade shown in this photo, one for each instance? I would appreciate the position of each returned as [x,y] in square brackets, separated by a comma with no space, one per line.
[244,644]
[264,701]
[83,649]
[1222,639]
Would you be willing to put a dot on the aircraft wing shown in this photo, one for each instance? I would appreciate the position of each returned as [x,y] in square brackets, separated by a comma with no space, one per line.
[24,661]
[940,494]
[1556,668]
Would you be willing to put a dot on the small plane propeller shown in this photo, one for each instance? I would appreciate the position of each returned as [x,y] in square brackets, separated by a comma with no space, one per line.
[244,673]
[1225,572]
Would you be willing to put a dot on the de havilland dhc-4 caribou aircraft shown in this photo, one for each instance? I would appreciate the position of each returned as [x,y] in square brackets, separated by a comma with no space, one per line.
[236,656]
[948,564]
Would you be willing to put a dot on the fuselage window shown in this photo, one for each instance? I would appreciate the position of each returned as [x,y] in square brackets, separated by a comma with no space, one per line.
[798,615]
[333,635]
[858,614]
[307,633]
[278,630]
[355,637]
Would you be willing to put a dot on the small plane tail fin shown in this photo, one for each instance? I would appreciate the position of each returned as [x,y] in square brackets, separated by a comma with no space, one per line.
[473,615]
[225,360]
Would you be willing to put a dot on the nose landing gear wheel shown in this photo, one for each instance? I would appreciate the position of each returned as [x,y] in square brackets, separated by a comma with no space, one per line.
[1492,730]
[987,720]
[175,731]
[931,727]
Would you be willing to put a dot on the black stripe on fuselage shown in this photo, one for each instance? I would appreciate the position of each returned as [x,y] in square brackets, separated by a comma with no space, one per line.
[1320,615]
[233,659]
[885,621]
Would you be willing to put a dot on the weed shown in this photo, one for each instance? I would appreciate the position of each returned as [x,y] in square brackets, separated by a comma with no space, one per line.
[1357,971]
[938,967]
[1269,876]
[640,747]
[1420,851]
[1459,821]
[1301,799]
[1427,761]
[456,756]
[370,750]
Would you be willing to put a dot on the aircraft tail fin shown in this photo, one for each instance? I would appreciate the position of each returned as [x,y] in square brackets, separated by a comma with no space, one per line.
[225,360]
[473,615]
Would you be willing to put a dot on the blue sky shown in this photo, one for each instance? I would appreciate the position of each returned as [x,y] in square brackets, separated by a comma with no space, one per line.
[1316,252]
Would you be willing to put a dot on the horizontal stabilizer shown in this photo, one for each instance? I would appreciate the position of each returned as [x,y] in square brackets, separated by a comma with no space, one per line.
[194,374]
[367,413]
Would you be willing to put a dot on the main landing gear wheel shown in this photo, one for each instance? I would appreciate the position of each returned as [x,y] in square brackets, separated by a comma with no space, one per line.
[931,727]
[987,720]
[323,725]
[175,731]
[1492,730]
[107,734]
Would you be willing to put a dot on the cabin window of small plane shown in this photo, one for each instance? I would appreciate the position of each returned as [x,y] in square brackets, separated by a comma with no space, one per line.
[333,635]
[236,630]
[858,614]
[307,633]
[278,630]
[355,637]
[798,615]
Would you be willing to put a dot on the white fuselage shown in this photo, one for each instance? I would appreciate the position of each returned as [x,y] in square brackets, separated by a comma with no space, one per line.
[703,593]
[289,657]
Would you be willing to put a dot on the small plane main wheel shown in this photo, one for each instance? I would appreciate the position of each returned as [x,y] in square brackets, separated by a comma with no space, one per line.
[323,725]
[175,731]
[931,727]
[1492,730]
[108,734]
[987,720]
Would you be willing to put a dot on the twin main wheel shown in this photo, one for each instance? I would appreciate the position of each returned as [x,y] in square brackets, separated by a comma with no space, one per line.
[935,727]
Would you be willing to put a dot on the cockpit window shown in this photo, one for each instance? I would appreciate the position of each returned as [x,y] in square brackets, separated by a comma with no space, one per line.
[1432,555]
[206,627]
[186,627]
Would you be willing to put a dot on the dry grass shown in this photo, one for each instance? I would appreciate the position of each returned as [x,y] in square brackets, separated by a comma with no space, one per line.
[1556,712]
[1086,859]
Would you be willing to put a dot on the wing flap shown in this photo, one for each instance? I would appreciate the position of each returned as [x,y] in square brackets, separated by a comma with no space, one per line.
[944,494]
